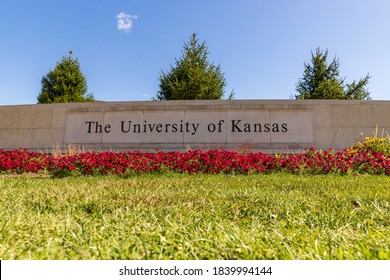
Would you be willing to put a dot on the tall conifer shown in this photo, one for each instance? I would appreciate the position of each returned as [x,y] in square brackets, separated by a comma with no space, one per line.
[193,77]
[66,83]
[322,81]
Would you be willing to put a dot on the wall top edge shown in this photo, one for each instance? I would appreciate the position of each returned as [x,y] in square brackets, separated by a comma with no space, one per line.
[200,102]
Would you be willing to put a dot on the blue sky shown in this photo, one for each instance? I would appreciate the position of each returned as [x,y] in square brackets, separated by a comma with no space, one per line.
[122,45]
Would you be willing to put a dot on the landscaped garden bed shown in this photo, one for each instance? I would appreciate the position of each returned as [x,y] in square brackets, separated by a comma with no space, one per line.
[369,157]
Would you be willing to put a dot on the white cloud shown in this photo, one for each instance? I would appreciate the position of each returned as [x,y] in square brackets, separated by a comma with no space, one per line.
[125,21]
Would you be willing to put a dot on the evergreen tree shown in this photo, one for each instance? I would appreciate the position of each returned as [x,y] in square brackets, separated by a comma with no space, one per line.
[66,83]
[322,81]
[193,77]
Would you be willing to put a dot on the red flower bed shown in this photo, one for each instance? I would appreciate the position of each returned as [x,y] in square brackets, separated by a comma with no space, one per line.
[195,161]
[21,161]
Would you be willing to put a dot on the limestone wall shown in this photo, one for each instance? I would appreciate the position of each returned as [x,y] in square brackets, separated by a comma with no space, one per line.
[266,125]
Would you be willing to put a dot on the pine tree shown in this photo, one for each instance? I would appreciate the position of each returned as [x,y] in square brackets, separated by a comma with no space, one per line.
[322,81]
[66,83]
[193,77]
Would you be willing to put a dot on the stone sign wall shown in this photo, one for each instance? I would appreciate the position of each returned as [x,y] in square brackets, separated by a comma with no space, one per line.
[266,125]
[190,127]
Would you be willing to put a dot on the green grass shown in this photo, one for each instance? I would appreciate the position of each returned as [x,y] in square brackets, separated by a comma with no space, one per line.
[196,217]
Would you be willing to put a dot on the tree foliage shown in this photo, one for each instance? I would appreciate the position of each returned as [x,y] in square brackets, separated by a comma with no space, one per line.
[66,83]
[322,81]
[193,77]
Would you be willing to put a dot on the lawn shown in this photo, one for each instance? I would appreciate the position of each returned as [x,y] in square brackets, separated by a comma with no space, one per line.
[179,216]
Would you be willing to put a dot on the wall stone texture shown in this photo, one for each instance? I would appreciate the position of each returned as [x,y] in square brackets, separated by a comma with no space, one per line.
[273,126]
